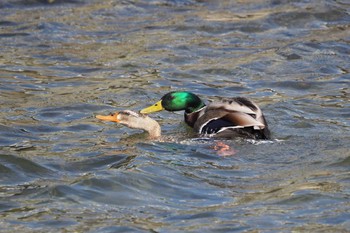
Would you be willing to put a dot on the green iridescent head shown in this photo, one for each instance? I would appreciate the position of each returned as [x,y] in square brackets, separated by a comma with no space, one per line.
[177,101]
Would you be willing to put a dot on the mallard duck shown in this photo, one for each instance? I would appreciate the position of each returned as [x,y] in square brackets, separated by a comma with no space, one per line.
[134,120]
[232,117]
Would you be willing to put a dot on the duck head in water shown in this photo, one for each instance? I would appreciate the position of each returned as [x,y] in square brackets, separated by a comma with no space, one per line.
[134,120]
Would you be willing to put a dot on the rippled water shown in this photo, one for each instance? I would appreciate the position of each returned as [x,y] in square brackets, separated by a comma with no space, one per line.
[63,63]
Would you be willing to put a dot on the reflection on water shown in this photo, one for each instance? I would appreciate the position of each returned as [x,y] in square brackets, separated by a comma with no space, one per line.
[63,62]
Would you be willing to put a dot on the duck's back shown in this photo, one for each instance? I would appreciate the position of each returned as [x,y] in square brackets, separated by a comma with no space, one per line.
[233,117]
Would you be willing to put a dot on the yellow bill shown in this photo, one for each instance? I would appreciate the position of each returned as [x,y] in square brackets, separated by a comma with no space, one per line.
[154,108]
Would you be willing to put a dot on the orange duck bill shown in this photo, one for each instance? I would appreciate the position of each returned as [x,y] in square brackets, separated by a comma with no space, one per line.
[112,117]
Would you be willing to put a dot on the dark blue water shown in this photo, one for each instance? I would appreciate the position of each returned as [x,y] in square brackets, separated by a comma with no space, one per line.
[62,63]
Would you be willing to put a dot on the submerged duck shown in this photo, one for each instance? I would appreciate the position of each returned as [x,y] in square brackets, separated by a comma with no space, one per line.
[231,117]
[134,120]
[140,121]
